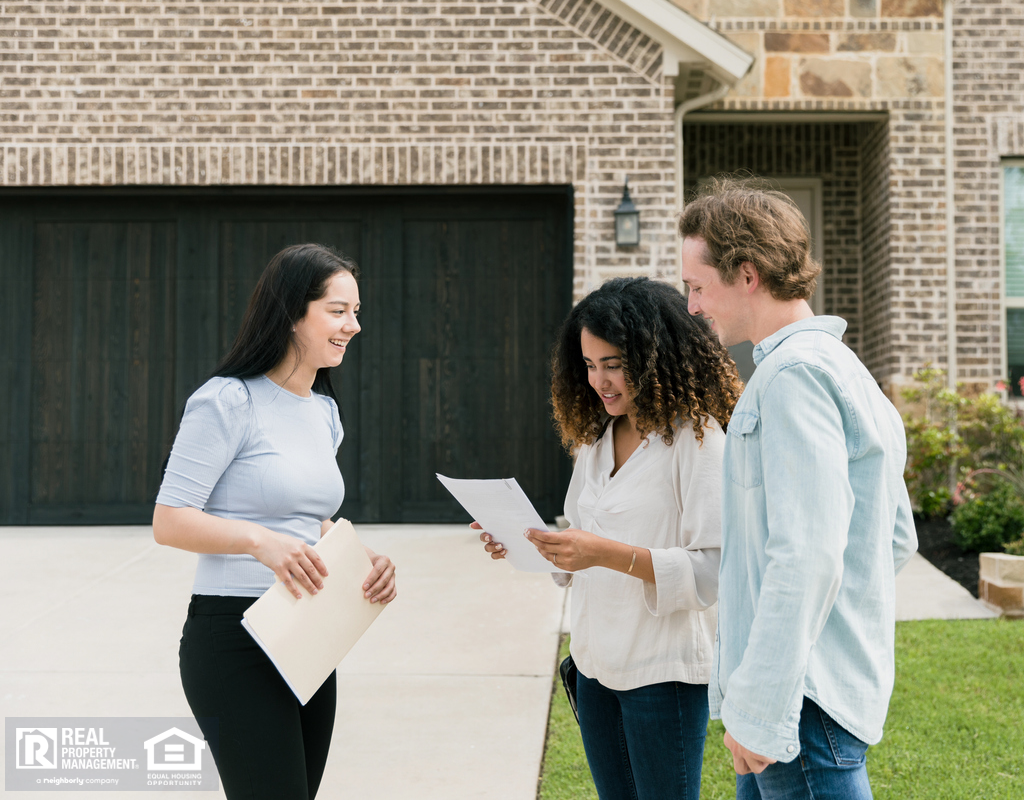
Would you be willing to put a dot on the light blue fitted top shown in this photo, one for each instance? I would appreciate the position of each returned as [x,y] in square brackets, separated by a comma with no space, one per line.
[250,450]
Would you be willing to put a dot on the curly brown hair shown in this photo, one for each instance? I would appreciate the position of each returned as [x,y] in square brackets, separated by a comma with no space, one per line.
[675,368]
[744,220]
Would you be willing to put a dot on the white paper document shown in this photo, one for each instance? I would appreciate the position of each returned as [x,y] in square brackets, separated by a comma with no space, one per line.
[503,508]
[306,639]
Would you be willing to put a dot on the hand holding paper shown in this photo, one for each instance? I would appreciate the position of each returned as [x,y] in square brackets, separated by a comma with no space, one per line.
[306,639]
[504,511]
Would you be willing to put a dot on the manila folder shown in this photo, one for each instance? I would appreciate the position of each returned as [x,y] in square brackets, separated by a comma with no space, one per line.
[306,639]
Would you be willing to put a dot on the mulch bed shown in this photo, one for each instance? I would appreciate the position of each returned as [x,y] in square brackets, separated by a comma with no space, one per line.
[935,542]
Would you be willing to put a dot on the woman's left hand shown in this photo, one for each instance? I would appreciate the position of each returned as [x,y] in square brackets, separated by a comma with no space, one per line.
[379,586]
[569,550]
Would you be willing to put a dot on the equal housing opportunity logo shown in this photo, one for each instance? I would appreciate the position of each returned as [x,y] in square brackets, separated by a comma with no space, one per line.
[107,754]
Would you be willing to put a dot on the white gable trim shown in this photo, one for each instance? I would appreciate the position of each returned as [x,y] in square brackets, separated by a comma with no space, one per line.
[685,39]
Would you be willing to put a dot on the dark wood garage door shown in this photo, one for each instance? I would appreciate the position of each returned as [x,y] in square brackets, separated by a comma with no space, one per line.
[116,307]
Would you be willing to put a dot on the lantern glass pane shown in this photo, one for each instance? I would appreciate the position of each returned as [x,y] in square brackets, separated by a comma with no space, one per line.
[627,229]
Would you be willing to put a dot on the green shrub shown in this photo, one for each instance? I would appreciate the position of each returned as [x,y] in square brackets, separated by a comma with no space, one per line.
[953,436]
[984,523]
[1015,548]
[934,502]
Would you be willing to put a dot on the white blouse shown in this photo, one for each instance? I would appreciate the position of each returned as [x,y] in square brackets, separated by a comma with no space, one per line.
[628,633]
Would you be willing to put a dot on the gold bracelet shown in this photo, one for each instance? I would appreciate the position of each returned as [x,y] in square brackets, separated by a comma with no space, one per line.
[632,561]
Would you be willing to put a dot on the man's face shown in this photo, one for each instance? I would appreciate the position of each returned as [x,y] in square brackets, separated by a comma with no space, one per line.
[724,306]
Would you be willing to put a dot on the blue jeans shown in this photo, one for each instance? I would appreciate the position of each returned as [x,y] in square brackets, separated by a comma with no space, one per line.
[831,765]
[646,743]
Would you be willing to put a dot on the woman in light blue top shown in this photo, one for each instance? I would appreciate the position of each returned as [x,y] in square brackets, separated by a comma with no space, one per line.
[251,484]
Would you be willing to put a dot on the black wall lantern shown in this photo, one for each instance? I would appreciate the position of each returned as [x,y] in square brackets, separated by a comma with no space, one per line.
[627,220]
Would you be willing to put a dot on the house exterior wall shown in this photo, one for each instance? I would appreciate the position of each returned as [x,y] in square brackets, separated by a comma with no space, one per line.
[876,349]
[841,56]
[387,93]
[889,55]
[988,98]
[539,92]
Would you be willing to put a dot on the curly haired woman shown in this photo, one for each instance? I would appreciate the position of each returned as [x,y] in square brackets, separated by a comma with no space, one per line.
[643,392]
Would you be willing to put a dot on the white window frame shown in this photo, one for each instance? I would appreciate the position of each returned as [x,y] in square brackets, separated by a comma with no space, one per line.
[1006,302]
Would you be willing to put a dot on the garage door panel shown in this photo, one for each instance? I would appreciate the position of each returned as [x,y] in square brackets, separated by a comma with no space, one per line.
[131,304]
[369,381]
[474,365]
[102,331]
[15,362]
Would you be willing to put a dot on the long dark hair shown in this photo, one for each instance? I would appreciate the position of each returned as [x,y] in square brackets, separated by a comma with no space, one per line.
[674,365]
[293,279]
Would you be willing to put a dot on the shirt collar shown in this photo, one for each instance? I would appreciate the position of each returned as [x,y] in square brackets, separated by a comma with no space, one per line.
[835,326]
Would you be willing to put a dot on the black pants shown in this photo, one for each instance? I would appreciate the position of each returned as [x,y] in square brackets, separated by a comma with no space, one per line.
[265,744]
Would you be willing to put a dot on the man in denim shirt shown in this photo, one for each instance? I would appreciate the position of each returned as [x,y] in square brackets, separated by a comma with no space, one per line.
[816,520]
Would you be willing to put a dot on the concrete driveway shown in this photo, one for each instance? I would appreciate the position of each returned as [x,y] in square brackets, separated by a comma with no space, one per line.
[446,696]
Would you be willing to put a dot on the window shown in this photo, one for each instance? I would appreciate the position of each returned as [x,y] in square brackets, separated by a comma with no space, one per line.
[1013,261]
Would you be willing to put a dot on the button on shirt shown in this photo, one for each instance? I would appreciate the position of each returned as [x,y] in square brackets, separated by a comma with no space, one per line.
[816,522]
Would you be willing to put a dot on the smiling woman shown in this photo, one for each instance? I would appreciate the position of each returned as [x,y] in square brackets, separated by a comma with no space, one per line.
[251,485]
[321,336]
[642,392]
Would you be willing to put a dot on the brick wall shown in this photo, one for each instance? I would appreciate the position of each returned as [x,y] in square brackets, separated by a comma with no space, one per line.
[417,92]
[988,97]
[831,54]
[877,297]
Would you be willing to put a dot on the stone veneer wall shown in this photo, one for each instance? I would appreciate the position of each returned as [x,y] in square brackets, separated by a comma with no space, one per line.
[462,92]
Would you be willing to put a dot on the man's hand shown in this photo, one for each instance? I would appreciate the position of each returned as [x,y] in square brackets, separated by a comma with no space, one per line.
[745,761]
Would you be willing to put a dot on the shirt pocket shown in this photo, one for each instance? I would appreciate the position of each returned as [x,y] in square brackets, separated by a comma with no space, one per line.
[743,450]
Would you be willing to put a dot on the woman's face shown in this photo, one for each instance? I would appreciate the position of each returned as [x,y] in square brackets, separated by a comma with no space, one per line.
[322,335]
[605,373]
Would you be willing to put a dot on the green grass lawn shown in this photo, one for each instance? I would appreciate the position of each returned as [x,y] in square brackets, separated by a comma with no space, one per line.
[955,729]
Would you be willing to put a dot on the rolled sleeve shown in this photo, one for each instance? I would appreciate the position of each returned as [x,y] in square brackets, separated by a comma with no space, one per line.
[804,460]
[686,577]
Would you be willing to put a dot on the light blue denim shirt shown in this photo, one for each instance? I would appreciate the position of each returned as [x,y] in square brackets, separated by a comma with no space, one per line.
[816,522]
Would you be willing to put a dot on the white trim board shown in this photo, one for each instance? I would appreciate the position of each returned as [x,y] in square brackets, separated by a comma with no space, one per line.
[685,39]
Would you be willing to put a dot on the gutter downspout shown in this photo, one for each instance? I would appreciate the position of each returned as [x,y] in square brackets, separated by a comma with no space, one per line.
[951,337]
[682,110]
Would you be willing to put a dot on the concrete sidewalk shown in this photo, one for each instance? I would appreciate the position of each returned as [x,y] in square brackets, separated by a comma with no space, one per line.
[445,697]
[925,592]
